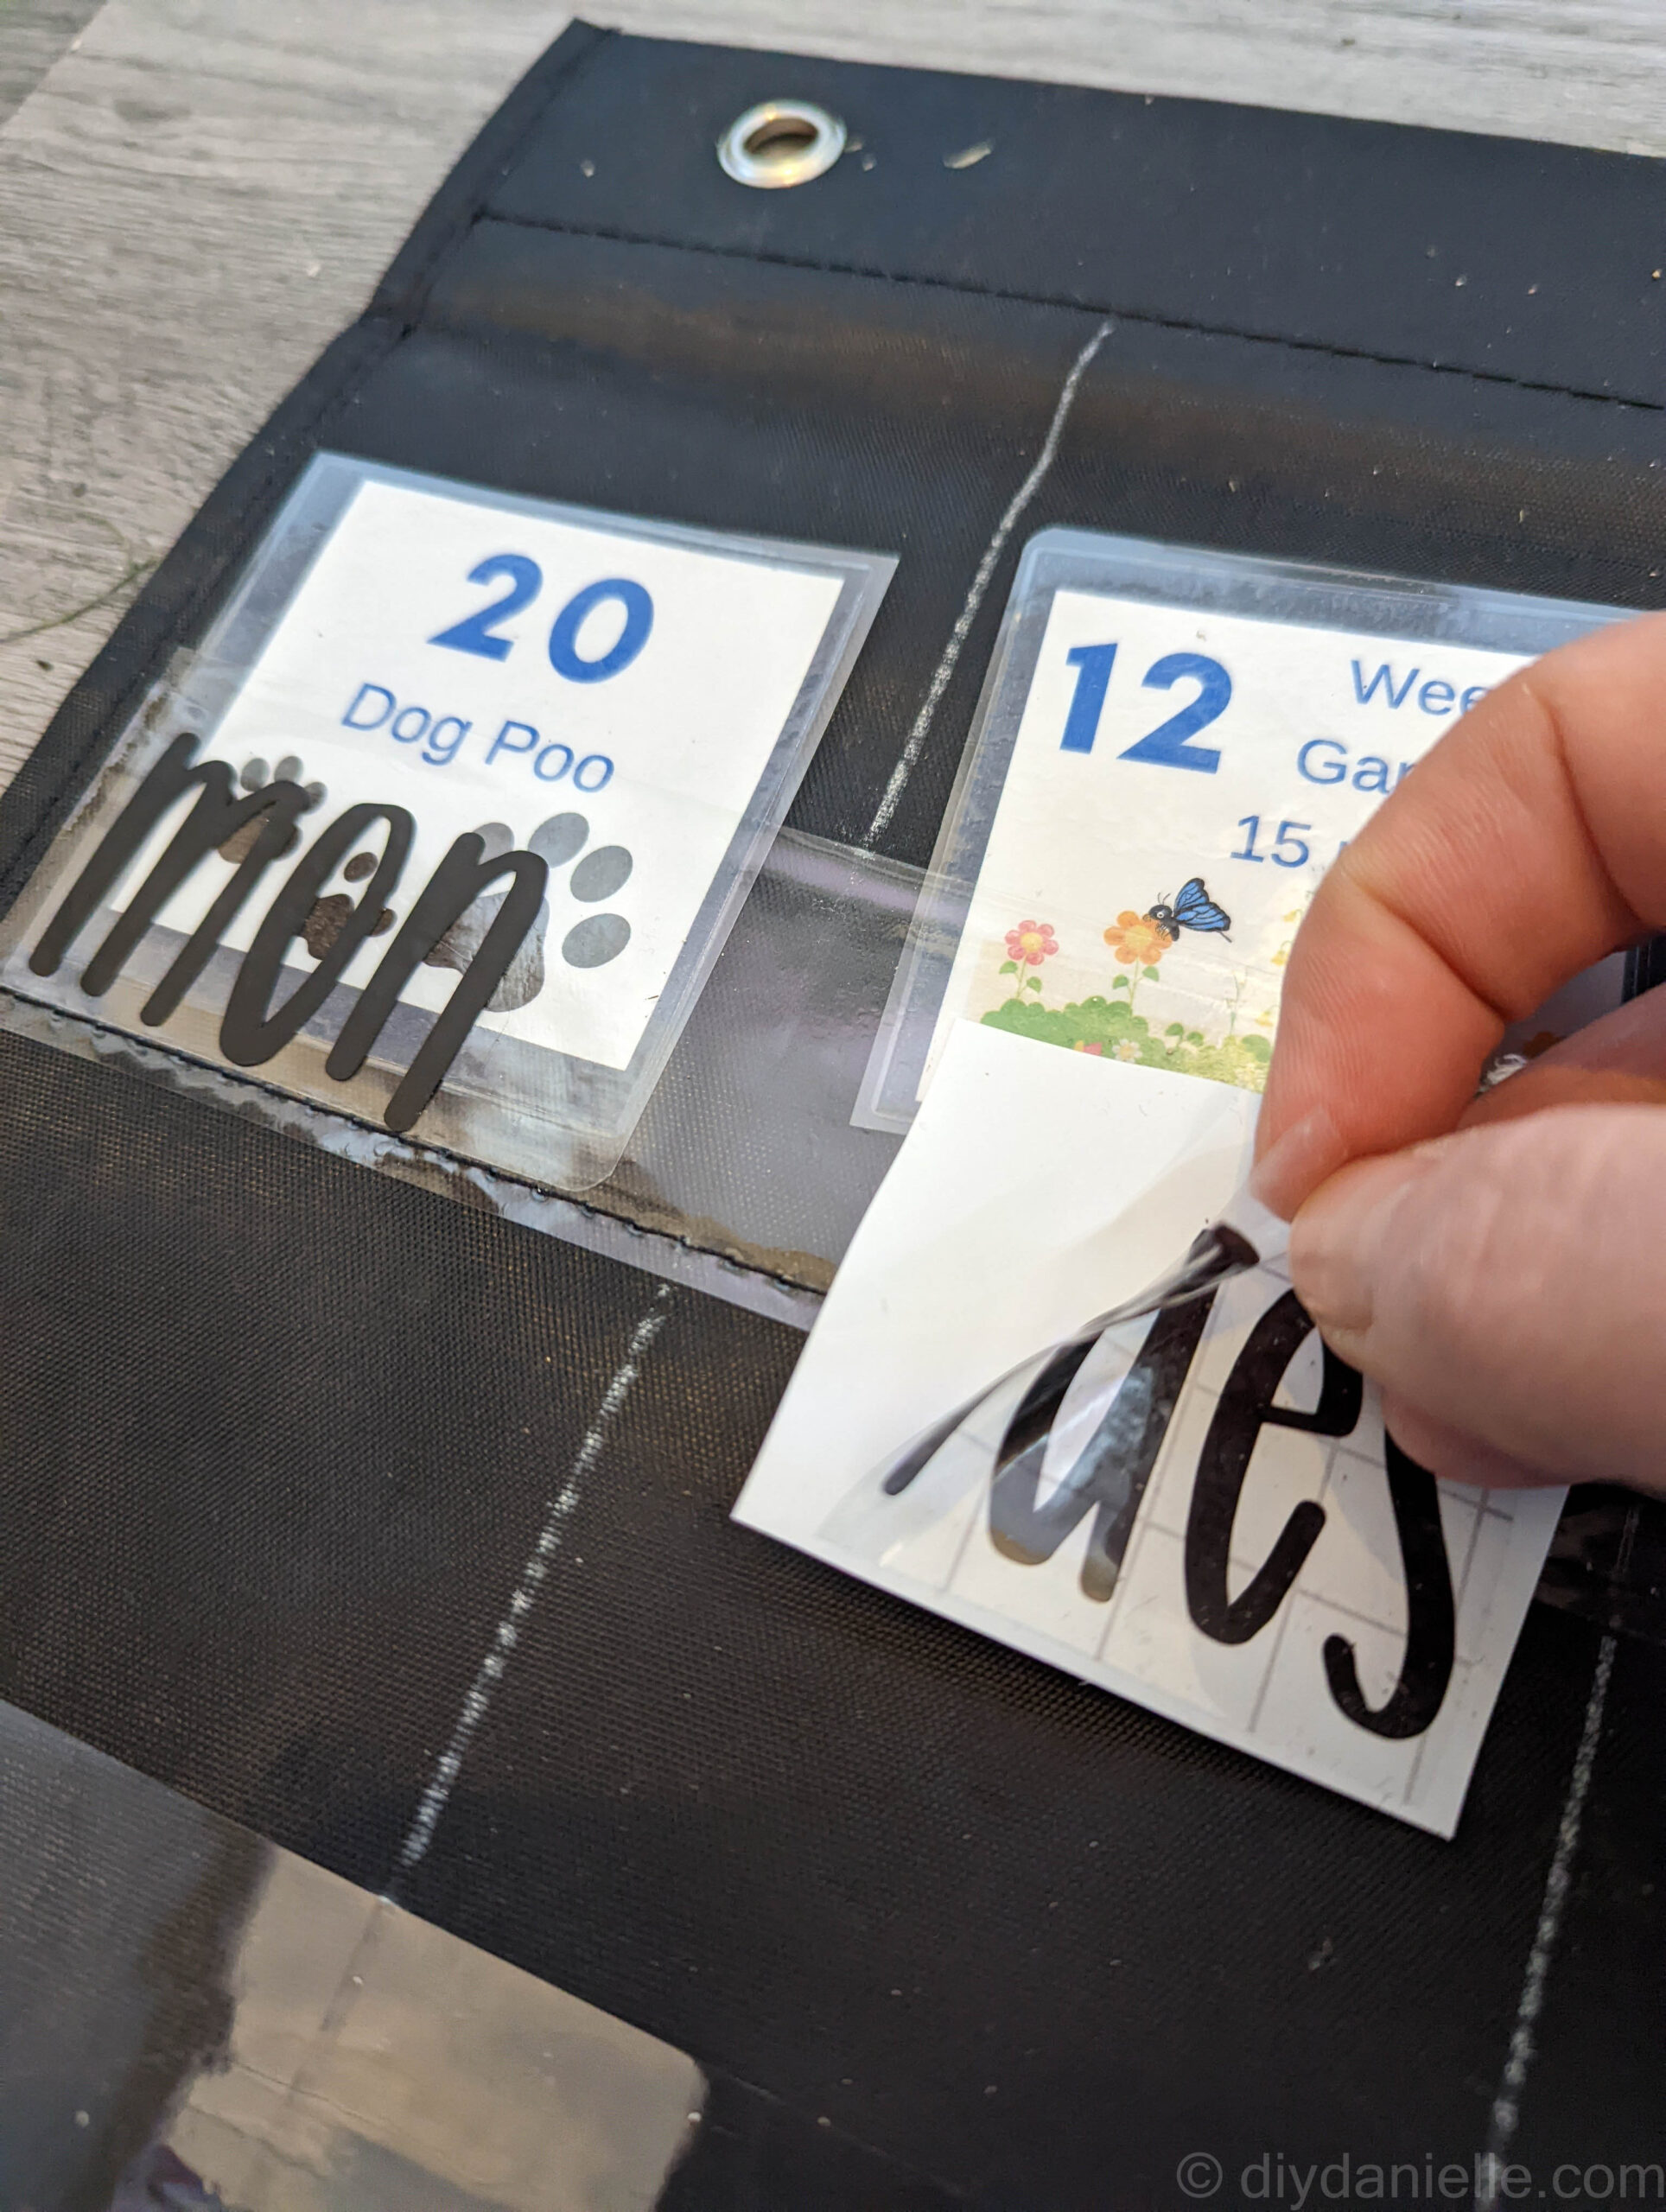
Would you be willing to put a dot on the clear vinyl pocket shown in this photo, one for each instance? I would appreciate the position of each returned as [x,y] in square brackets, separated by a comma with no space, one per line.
[1171,747]
[443,826]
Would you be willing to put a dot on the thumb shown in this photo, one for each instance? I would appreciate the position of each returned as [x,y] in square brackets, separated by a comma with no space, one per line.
[1507,1287]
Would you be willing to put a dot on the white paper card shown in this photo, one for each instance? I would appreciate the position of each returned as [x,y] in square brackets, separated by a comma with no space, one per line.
[1036,1189]
[604,698]
[1162,746]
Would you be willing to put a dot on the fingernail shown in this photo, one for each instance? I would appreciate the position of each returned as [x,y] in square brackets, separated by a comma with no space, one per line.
[1298,1162]
[1339,1238]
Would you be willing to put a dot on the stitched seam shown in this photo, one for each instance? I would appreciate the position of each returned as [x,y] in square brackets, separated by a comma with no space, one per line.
[719,2073]
[423,1150]
[1547,1934]
[977,591]
[500,1653]
[494,164]
[1328,348]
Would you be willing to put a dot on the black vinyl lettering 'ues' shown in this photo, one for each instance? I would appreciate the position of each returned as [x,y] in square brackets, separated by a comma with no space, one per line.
[1245,1409]
[1109,1475]
[252,1031]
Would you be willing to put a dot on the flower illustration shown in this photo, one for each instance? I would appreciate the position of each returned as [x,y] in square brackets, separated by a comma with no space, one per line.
[1128,1050]
[1137,939]
[1030,944]
[1097,1050]
[1281,957]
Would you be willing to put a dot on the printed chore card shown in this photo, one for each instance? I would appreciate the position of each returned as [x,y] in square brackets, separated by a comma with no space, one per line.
[448,816]
[1172,748]
[1179,782]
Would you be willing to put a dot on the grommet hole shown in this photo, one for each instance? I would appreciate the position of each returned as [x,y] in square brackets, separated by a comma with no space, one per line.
[781,143]
[786,135]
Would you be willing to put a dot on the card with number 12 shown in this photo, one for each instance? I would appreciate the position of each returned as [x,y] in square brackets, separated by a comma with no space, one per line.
[1181,778]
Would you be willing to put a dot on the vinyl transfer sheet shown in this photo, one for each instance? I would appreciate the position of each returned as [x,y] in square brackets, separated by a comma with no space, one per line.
[1218,1527]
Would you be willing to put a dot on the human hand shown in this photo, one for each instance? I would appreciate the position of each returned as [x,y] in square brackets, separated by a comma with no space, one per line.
[1498,1264]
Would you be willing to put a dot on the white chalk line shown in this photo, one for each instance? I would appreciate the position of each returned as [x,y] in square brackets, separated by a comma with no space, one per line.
[432,1804]
[1507,2105]
[980,584]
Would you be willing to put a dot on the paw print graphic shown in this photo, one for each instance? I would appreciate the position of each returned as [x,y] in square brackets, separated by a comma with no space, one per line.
[253,777]
[591,942]
[329,915]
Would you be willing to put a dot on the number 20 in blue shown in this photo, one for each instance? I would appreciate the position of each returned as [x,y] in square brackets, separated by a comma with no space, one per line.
[1169,745]
[478,633]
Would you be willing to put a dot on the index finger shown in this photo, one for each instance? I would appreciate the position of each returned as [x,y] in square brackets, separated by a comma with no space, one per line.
[1529,842]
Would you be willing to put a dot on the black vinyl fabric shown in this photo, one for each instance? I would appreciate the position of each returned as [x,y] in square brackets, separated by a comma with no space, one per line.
[1424,246]
[282,1435]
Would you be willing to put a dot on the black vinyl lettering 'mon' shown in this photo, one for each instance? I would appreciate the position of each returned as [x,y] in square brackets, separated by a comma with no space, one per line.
[250,1032]
[462,876]
[217,816]
[1245,1409]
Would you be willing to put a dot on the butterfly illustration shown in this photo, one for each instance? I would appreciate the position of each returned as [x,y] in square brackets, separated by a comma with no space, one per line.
[1192,909]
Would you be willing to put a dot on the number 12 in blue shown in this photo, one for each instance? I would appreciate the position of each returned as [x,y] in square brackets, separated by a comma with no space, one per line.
[1167,746]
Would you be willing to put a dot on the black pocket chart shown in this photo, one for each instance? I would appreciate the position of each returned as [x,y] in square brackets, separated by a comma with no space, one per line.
[281,1433]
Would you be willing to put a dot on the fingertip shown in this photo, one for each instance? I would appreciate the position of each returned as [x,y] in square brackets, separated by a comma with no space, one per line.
[1292,1165]
[1508,1284]
[1540,1086]
[1454,1456]
[1338,1239]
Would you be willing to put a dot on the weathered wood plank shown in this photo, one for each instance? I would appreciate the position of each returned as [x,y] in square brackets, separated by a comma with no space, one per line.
[196,197]
[33,34]
[1591,72]
[192,203]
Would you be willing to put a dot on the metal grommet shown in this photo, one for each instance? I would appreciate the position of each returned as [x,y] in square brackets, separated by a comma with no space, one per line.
[781,142]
